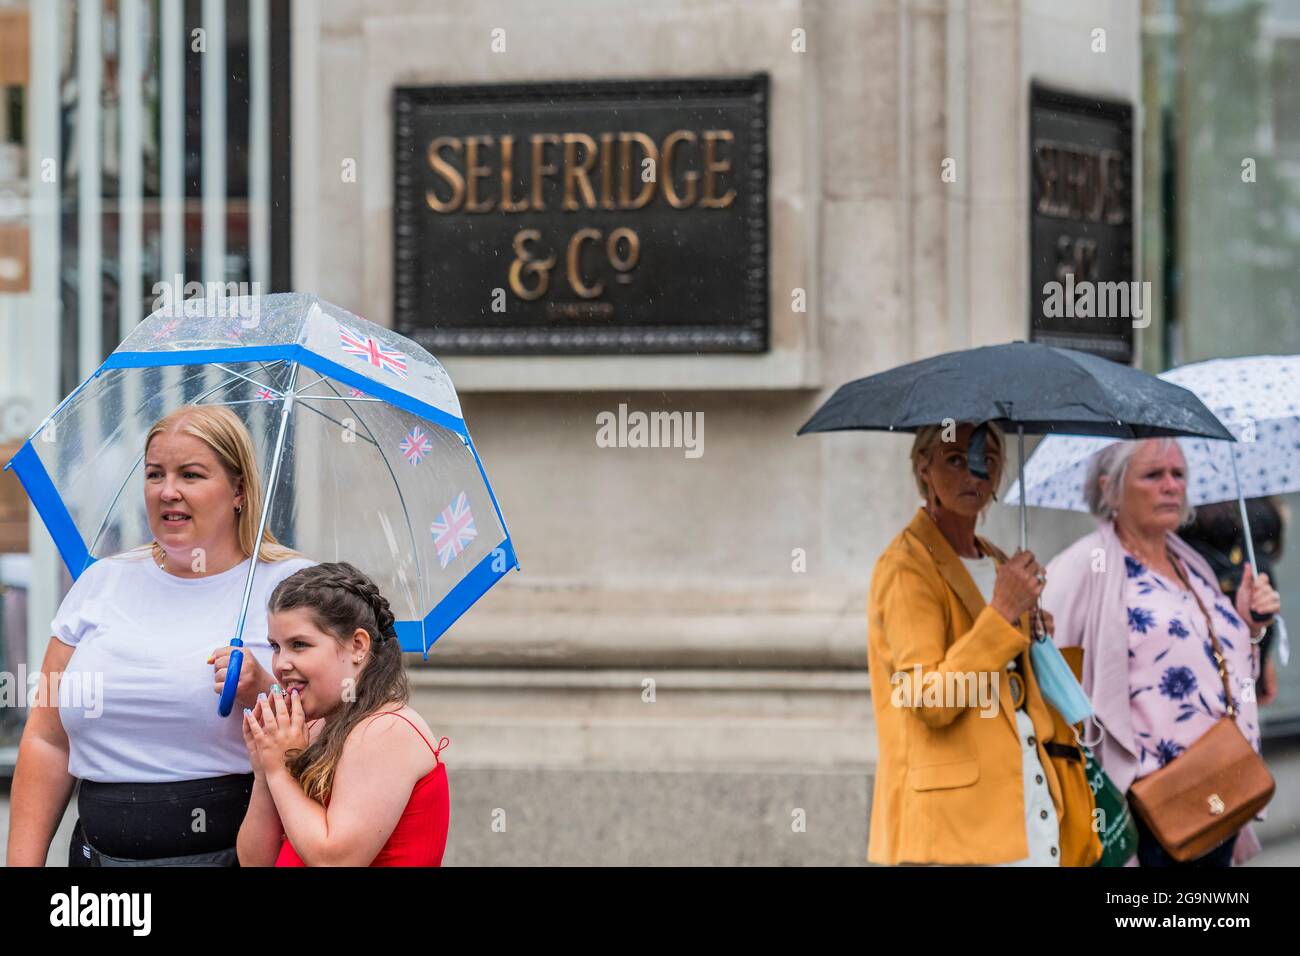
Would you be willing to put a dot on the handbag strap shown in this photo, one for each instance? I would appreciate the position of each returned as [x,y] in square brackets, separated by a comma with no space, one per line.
[1219,660]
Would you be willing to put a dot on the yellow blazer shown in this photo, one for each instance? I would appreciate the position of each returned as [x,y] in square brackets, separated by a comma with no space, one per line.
[948,785]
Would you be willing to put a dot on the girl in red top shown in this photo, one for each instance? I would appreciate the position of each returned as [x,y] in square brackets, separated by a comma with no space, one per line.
[344,774]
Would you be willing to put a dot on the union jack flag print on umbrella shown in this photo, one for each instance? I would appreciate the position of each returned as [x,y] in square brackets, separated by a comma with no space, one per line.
[415,446]
[339,410]
[453,529]
[374,353]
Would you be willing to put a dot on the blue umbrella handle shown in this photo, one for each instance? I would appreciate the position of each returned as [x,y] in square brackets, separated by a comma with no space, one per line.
[233,667]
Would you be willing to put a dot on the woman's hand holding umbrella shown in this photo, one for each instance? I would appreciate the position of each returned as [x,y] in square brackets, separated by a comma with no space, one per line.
[1017,586]
[254,679]
[1257,602]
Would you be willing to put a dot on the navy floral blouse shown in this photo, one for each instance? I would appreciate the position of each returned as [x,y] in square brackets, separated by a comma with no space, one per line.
[1174,686]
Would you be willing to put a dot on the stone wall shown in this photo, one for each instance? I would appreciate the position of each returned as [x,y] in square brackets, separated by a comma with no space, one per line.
[658,684]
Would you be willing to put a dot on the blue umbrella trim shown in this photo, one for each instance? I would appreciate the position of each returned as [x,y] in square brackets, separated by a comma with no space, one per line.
[459,600]
[289,353]
[26,464]
[45,497]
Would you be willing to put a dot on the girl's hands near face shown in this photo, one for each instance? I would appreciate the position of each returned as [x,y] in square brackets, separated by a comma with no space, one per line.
[278,727]
[254,752]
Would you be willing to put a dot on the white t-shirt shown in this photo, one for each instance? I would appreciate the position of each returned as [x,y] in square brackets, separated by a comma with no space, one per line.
[137,697]
[984,572]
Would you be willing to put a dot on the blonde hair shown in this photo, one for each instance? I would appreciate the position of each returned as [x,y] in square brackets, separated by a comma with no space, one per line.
[221,430]
[928,437]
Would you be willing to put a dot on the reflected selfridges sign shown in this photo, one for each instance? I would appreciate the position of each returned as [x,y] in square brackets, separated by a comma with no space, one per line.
[593,217]
[1082,292]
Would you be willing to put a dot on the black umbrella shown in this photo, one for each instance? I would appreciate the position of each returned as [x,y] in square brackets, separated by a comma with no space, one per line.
[1023,387]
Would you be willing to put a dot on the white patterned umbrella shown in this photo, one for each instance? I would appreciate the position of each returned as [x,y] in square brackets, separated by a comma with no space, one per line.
[1257,398]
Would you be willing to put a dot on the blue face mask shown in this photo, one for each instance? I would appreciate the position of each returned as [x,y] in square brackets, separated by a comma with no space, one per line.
[1056,681]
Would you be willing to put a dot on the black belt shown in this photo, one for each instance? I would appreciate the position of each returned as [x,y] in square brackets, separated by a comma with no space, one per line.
[81,853]
[1064,750]
[150,821]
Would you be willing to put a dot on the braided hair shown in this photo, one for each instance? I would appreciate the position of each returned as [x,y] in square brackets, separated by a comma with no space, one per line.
[340,599]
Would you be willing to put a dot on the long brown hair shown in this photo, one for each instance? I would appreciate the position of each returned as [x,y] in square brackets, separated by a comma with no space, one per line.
[221,430]
[341,599]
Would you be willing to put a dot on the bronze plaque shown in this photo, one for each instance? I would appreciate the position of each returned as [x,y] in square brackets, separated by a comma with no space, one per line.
[582,218]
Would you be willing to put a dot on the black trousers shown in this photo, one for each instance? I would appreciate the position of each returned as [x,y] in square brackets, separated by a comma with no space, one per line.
[1151,853]
[145,821]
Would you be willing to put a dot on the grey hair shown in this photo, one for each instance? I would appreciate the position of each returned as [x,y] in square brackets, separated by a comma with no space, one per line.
[1112,464]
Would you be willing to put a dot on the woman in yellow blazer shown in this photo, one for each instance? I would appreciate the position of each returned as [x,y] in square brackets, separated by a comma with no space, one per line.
[962,777]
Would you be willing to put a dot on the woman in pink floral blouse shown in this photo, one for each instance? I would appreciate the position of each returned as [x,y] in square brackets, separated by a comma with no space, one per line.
[1133,592]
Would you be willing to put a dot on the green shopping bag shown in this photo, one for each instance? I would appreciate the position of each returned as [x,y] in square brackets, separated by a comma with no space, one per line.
[1111,816]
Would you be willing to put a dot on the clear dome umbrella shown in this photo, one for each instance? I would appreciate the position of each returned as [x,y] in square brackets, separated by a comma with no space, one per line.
[359,437]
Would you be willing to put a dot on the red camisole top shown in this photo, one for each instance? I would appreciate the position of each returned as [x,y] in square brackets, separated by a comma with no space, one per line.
[420,836]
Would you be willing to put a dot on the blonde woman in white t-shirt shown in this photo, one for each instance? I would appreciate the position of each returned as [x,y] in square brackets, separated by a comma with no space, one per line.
[164,779]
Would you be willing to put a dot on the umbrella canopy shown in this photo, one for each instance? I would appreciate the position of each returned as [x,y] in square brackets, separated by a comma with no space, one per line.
[361,447]
[1021,386]
[1257,398]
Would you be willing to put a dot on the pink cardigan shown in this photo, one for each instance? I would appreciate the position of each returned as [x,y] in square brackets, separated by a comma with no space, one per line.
[1085,596]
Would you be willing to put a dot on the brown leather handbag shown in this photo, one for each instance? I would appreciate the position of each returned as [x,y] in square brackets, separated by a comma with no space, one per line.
[1213,788]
